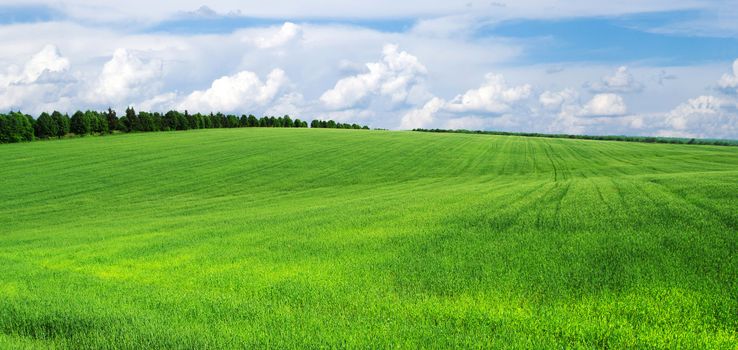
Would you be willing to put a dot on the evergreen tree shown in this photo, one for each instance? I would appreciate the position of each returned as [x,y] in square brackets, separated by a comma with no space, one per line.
[287,121]
[112,120]
[62,123]
[134,123]
[80,123]
[252,121]
[46,126]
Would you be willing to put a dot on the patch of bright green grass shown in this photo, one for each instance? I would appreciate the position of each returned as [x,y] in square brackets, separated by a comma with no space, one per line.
[336,238]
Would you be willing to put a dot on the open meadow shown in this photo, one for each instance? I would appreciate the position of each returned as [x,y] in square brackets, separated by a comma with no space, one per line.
[285,238]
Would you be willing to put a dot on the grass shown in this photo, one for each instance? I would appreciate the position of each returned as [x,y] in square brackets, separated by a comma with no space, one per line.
[290,238]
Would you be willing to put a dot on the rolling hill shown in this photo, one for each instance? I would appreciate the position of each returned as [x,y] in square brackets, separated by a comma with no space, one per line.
[339,238]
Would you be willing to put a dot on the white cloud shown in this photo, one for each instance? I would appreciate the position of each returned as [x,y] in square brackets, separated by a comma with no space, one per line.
[288,33]
[554,100]
[492,100]
[126,76]
[467,123]
[394,77]
[621,81]
[494,96]
[160,102]
[599,114]
[729,82]
[291,104]
[704,116]
[422,117]
[49,59]
[241,91]
[604,105]
[42,82]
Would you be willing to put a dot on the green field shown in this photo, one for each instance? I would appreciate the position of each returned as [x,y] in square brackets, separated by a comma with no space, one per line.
[338,238]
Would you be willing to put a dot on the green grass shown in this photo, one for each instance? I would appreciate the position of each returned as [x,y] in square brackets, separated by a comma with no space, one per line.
[334,238]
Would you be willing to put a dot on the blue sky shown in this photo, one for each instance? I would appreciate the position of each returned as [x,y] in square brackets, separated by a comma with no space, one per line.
[637,67]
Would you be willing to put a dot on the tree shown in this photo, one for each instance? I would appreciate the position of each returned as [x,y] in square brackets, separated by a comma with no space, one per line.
[134,123]
[148,122]
[15,127]
[46,126]
[169,121]
[99,122]
[182,122]
[4,129]
[252,121]
[112,120]
[123,124]
[62,123]
[287,122]
[232,121]
[222,120]
[81,124]
[191,121]
[207,123]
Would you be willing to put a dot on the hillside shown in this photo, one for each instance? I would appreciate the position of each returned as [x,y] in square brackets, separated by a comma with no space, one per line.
[342,238]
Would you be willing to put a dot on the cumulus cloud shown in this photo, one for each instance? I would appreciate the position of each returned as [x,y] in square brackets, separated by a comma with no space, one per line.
[621,81]
[42,81]
[604,105]
[288,33]
[47,61]
[124,76]
[554,100]
[394,77]
[422,117]
[729,82]
[599,113]
[243,90]
[494,96]
[492,99]
[704,116]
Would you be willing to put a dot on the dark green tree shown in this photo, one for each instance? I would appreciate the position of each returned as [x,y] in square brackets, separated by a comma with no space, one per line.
[169,121]
[287,122]
[46,126]
[80,124]
[112,120]
[232,121]
[253,122]
[62,123]
[134,123]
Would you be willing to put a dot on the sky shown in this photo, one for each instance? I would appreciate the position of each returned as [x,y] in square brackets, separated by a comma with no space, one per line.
[632,67]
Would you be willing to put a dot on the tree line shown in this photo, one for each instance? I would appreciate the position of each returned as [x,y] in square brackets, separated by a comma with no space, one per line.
[646,139]
[19,127]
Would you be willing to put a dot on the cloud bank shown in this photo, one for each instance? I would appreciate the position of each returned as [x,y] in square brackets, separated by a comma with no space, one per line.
[433,71]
